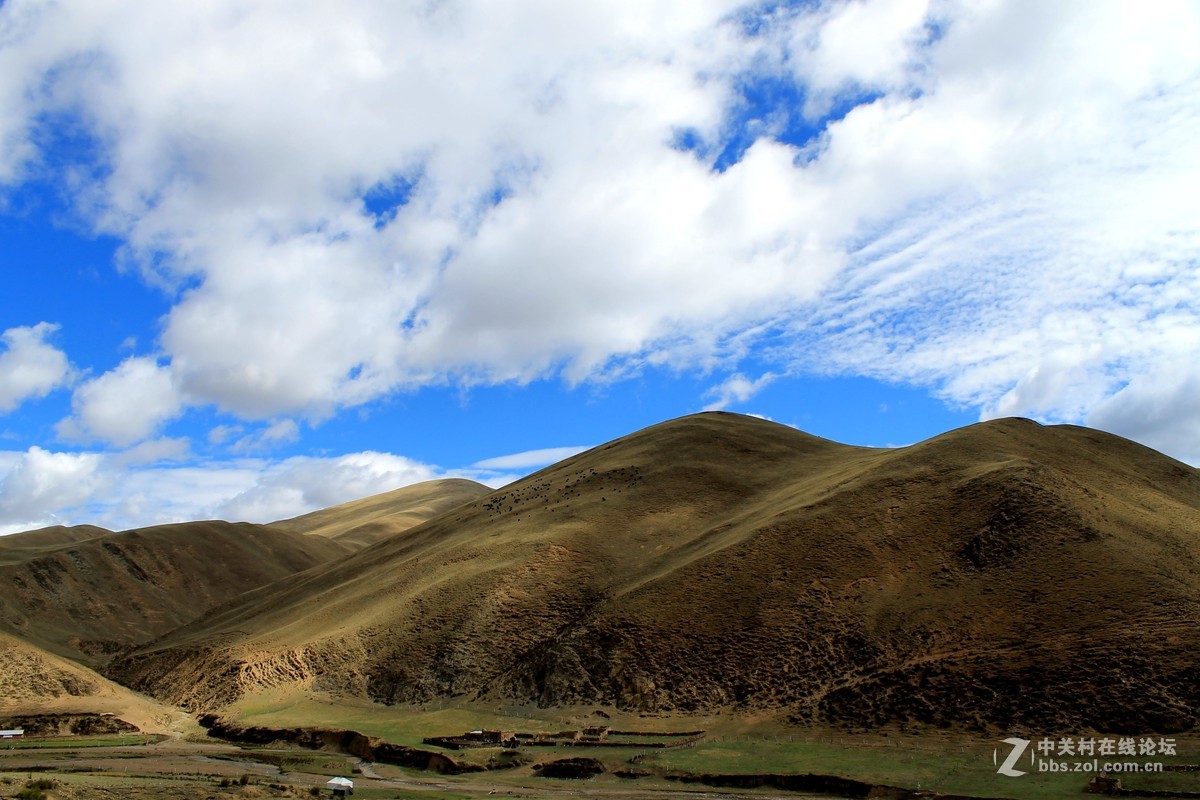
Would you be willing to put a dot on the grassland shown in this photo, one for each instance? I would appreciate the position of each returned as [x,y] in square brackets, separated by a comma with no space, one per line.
[73,742]
[935,760]
[947,764]
[939,761]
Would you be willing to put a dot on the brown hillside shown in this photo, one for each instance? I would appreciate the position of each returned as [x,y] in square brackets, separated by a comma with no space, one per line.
[23,546]
[85,598]
[363,522]
[33,681]
[1005,574]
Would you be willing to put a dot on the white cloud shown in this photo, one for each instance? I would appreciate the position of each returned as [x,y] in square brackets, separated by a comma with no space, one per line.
[220,434]
[30,367]
[124,405]
[299,485]
[154,451]
[1010,219]
[736,389]
[528,458]
[1047,257]
[279,432]
[160,494]
[141,486]
[37,485]
[857,46]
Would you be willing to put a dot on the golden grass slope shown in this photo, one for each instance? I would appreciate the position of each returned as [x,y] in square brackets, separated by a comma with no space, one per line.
[1005,574]
[85,597]
[363,522]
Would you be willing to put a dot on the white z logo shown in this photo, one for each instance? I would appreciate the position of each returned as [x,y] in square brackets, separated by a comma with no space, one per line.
[1018,749]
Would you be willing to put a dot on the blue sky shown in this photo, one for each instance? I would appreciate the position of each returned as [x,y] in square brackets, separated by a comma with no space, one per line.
[255,260]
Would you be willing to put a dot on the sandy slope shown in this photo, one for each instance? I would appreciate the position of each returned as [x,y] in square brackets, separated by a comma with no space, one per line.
[33,681]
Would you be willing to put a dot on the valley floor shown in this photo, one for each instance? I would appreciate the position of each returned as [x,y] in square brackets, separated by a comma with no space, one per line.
[99,768]
[182,770]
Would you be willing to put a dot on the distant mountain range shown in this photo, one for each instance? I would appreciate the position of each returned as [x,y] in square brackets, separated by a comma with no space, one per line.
[1003,575]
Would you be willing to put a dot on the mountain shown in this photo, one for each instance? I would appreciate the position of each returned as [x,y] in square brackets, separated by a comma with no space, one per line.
[85,593]
[367,521]
[1001,575]
[17,547]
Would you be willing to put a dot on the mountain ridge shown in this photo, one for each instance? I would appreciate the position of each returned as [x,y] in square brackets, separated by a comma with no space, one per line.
[371,519]
[726,562]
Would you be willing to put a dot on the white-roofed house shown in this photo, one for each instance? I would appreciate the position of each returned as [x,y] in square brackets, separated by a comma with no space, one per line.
[341,787]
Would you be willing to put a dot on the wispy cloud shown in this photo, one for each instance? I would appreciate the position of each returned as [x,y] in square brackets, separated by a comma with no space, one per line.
[528,458]
[736,389]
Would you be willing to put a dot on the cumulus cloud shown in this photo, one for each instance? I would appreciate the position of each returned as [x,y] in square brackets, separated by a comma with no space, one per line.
[857,47]
[1157,410]
[991,200]
[30,367]
[299,485]
[37,486]
[149,485]
[124,405]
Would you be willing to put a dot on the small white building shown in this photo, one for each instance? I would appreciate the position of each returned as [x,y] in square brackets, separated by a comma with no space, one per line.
[16,733]
[341,787]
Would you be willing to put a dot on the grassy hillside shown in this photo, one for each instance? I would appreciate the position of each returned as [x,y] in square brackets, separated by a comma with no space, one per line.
[1002,575]
[363,522]
[86,597]
[17,547]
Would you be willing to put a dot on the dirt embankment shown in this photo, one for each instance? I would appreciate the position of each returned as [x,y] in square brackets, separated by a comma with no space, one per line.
[68,724]
[343,741]
[579,768]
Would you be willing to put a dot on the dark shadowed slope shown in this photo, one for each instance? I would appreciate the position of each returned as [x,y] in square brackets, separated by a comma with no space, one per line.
[1004,574]
[363,522]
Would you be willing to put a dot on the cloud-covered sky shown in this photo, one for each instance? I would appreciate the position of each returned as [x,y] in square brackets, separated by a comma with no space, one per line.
[263,257]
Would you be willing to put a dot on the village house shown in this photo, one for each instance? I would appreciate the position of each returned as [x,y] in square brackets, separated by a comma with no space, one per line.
[341,787]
